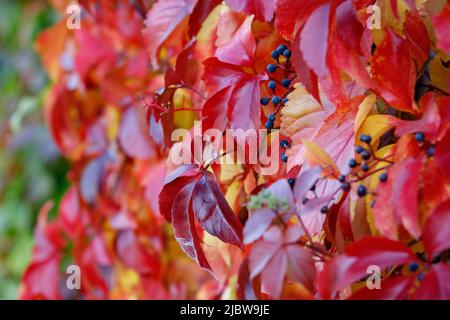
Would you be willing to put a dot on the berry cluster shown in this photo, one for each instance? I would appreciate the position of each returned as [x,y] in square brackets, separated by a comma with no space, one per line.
[281,54]
[420,138]
[360,170]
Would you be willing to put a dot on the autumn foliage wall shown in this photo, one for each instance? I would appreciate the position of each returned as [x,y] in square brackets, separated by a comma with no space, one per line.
[364,175]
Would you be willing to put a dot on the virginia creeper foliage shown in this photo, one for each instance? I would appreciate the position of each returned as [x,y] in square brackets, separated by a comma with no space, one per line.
[364,166]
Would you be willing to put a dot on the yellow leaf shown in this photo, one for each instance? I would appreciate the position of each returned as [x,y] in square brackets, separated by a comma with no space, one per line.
[315,155]
[376,125]
[182,100]
[364,109]
[439,74]
[301,111]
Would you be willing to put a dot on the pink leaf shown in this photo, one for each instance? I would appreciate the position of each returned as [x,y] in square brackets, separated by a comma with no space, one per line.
[314,40]
[262,9]
[395,288]
[405,191]
[436,234]
[351,266]
[441,24]
[239,47]
[435,284]
[162,20]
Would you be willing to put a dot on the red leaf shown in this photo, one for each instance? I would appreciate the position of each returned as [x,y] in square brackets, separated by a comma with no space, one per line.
[398,199]
[91,54]
[219,75]
[184,226]
[244,110]
[188,196]
[405,192]
[395,288]
[290,15]
[429,123]
[395,87]
[314,40]
[262,9]
[305,75]
[134,254]
[187,67]
[214,114]
[301,266]
[246,288]
[351,266]
[71,216]
[435,285]
[442,155]
[239,47]
[213,212]
[441,24]
[162,19]
[241,100]
[417,35]
[385,219]
[436,234]
[200,13]
[434,189]
[345,51]
[41,278]
[176,181]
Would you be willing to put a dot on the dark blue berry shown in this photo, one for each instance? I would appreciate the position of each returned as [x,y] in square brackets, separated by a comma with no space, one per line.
[361,191]
[431,151]
[264,101]
[276,100]
[269,125]
[420,137]
[284,157]
[272,85]
[286,83]
[413,267]
[359,149]
[285,100]
[365,168]
[365,155]
[383,177]
[272,117]
[324,209]
[365,138]
[275,54]
[341,178]
[281,48]
[352,163]
[345,186]
[420,276]
[291,181]
[271,68]
[287,53]
[284,144]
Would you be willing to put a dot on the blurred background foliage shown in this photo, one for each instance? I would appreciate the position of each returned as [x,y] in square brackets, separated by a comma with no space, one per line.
[31,169]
